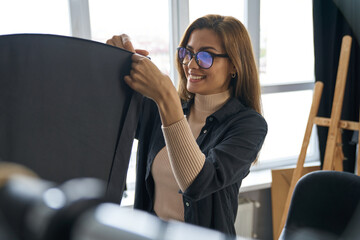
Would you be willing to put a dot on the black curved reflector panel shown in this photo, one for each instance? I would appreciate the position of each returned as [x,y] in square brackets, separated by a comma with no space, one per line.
[65,111]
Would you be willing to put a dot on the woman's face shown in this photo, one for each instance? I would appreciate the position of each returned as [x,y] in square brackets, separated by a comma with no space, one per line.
[217,78]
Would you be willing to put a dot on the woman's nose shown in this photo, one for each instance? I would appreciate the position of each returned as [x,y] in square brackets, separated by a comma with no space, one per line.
[192,63]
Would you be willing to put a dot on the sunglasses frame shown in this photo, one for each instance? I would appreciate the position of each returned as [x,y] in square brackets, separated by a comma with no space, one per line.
[192,55]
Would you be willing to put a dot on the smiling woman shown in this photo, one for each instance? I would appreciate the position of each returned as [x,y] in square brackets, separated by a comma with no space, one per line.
[216,75]
[223,37]
[190,168]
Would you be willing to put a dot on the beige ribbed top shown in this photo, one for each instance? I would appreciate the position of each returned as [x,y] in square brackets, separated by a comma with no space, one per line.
[180,161]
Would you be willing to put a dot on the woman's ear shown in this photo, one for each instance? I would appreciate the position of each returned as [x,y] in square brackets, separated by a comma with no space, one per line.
[233,71]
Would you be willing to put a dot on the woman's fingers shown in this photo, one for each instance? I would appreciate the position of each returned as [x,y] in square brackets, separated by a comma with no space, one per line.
[142,75]
[127,43]
[109,42]
[142,52]
[115,41]
[129,81]
[121,41]
[137,57]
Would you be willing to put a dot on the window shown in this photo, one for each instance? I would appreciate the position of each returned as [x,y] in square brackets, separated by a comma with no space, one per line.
[199,8]
[286,42]
[36,16]
[287,122]
[286,66]
[147,29]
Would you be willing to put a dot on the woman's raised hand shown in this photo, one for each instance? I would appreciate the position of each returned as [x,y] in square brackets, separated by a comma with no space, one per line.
[148,80]
[123,41]
[144,76]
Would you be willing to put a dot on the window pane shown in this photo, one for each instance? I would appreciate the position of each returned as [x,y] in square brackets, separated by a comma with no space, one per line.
[199,8]
[287,116]
[35,16]
[286,42]
[146,22]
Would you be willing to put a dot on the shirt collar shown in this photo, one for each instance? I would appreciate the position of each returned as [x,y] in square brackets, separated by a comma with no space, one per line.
[232,106]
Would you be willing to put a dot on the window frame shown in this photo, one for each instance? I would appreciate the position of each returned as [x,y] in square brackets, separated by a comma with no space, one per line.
[80,18]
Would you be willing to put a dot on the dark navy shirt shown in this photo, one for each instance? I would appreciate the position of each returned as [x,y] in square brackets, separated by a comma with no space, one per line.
[230,139]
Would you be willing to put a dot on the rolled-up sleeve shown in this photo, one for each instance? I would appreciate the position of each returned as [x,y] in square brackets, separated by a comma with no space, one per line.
[186,158]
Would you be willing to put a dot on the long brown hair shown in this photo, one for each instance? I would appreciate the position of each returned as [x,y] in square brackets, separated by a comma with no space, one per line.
[237,44]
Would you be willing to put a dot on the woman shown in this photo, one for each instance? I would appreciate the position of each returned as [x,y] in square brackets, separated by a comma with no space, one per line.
[194,151]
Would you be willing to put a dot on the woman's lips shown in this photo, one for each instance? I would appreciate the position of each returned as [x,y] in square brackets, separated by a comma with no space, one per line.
[194,78]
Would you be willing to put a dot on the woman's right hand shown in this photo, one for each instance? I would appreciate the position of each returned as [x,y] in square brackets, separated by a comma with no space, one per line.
[148,80]
[123,41]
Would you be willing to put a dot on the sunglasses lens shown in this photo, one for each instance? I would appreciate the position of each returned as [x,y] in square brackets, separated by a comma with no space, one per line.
[204,59]
[183,55]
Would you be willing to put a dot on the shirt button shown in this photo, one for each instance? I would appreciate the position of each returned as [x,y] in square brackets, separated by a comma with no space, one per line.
[187,204]
[211,119]
[205,131]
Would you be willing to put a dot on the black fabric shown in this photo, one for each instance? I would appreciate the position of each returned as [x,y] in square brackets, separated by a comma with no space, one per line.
[350,9]
[64,108]
[329,28]
[233,137]
[323,201]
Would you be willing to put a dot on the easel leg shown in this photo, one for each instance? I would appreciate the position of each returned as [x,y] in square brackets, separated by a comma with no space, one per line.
[301,160]
[337,103]
[339,155]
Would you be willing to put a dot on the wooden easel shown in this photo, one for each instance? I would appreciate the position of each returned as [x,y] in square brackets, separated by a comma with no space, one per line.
[333,154]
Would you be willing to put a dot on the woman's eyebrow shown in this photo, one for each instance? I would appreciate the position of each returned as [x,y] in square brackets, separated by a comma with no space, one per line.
[202,48]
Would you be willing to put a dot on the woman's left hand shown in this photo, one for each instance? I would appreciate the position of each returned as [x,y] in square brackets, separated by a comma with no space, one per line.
[148,80]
